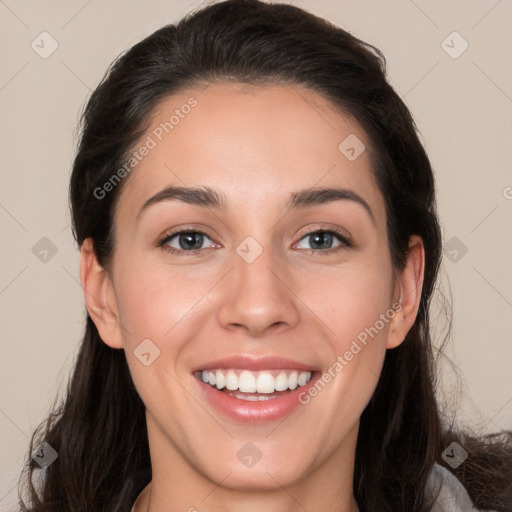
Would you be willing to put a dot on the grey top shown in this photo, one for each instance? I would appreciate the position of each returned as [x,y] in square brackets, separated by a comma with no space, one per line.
[453,497]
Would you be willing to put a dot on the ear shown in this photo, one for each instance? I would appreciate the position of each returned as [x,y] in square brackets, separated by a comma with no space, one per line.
[409,283]
[99,296]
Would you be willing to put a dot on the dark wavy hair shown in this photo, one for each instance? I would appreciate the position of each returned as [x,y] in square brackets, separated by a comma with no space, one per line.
[401,434]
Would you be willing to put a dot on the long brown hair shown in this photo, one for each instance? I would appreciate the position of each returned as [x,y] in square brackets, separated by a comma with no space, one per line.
[401,434]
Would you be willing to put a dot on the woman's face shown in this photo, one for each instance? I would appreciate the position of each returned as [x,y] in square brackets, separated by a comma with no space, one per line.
[284,280]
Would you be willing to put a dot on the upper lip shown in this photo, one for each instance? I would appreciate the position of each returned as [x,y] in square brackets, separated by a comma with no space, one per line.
[245,362]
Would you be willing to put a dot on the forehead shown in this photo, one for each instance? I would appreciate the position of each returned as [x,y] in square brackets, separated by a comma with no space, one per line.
[255,143]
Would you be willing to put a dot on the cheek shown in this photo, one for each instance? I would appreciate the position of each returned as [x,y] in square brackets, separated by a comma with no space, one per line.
[158,305]
[350,299]
[152,300]
[354,302]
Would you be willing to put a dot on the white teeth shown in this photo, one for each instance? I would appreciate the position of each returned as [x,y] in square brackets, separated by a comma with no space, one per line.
[255,382]
[220,379]
[231,381]
[265,383]
[253,398]
[281,382]
[292,380]
[302,379]
[247,382]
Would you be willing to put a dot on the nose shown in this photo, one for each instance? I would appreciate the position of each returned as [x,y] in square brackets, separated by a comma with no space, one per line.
[258,298]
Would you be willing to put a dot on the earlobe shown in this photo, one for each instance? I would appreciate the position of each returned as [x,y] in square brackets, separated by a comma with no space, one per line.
[99,297]
[409,284]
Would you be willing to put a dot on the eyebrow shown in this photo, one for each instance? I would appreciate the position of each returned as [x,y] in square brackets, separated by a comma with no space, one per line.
[207,197]
[317,196]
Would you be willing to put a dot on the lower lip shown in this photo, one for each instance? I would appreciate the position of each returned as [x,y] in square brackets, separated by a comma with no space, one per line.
[257,412]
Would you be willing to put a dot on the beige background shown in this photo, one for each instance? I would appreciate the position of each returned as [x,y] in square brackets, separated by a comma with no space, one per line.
[462,106]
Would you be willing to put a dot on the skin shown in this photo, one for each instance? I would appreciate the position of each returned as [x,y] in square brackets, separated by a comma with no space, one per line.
[257,145]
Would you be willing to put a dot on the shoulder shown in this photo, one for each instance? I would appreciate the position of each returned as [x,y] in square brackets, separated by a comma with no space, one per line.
[452,496]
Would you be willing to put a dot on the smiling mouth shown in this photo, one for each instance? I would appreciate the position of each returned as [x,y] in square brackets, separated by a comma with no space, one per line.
[254,385]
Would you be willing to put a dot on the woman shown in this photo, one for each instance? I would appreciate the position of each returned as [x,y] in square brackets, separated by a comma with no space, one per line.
[259,246]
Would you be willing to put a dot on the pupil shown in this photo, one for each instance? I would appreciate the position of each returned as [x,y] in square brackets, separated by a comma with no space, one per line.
[321,238]
[191,241]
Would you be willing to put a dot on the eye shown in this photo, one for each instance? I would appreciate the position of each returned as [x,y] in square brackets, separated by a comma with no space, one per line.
[189,241]
[324,240]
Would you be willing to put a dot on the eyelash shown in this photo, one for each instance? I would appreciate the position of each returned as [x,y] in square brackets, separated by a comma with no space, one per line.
[345,243]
